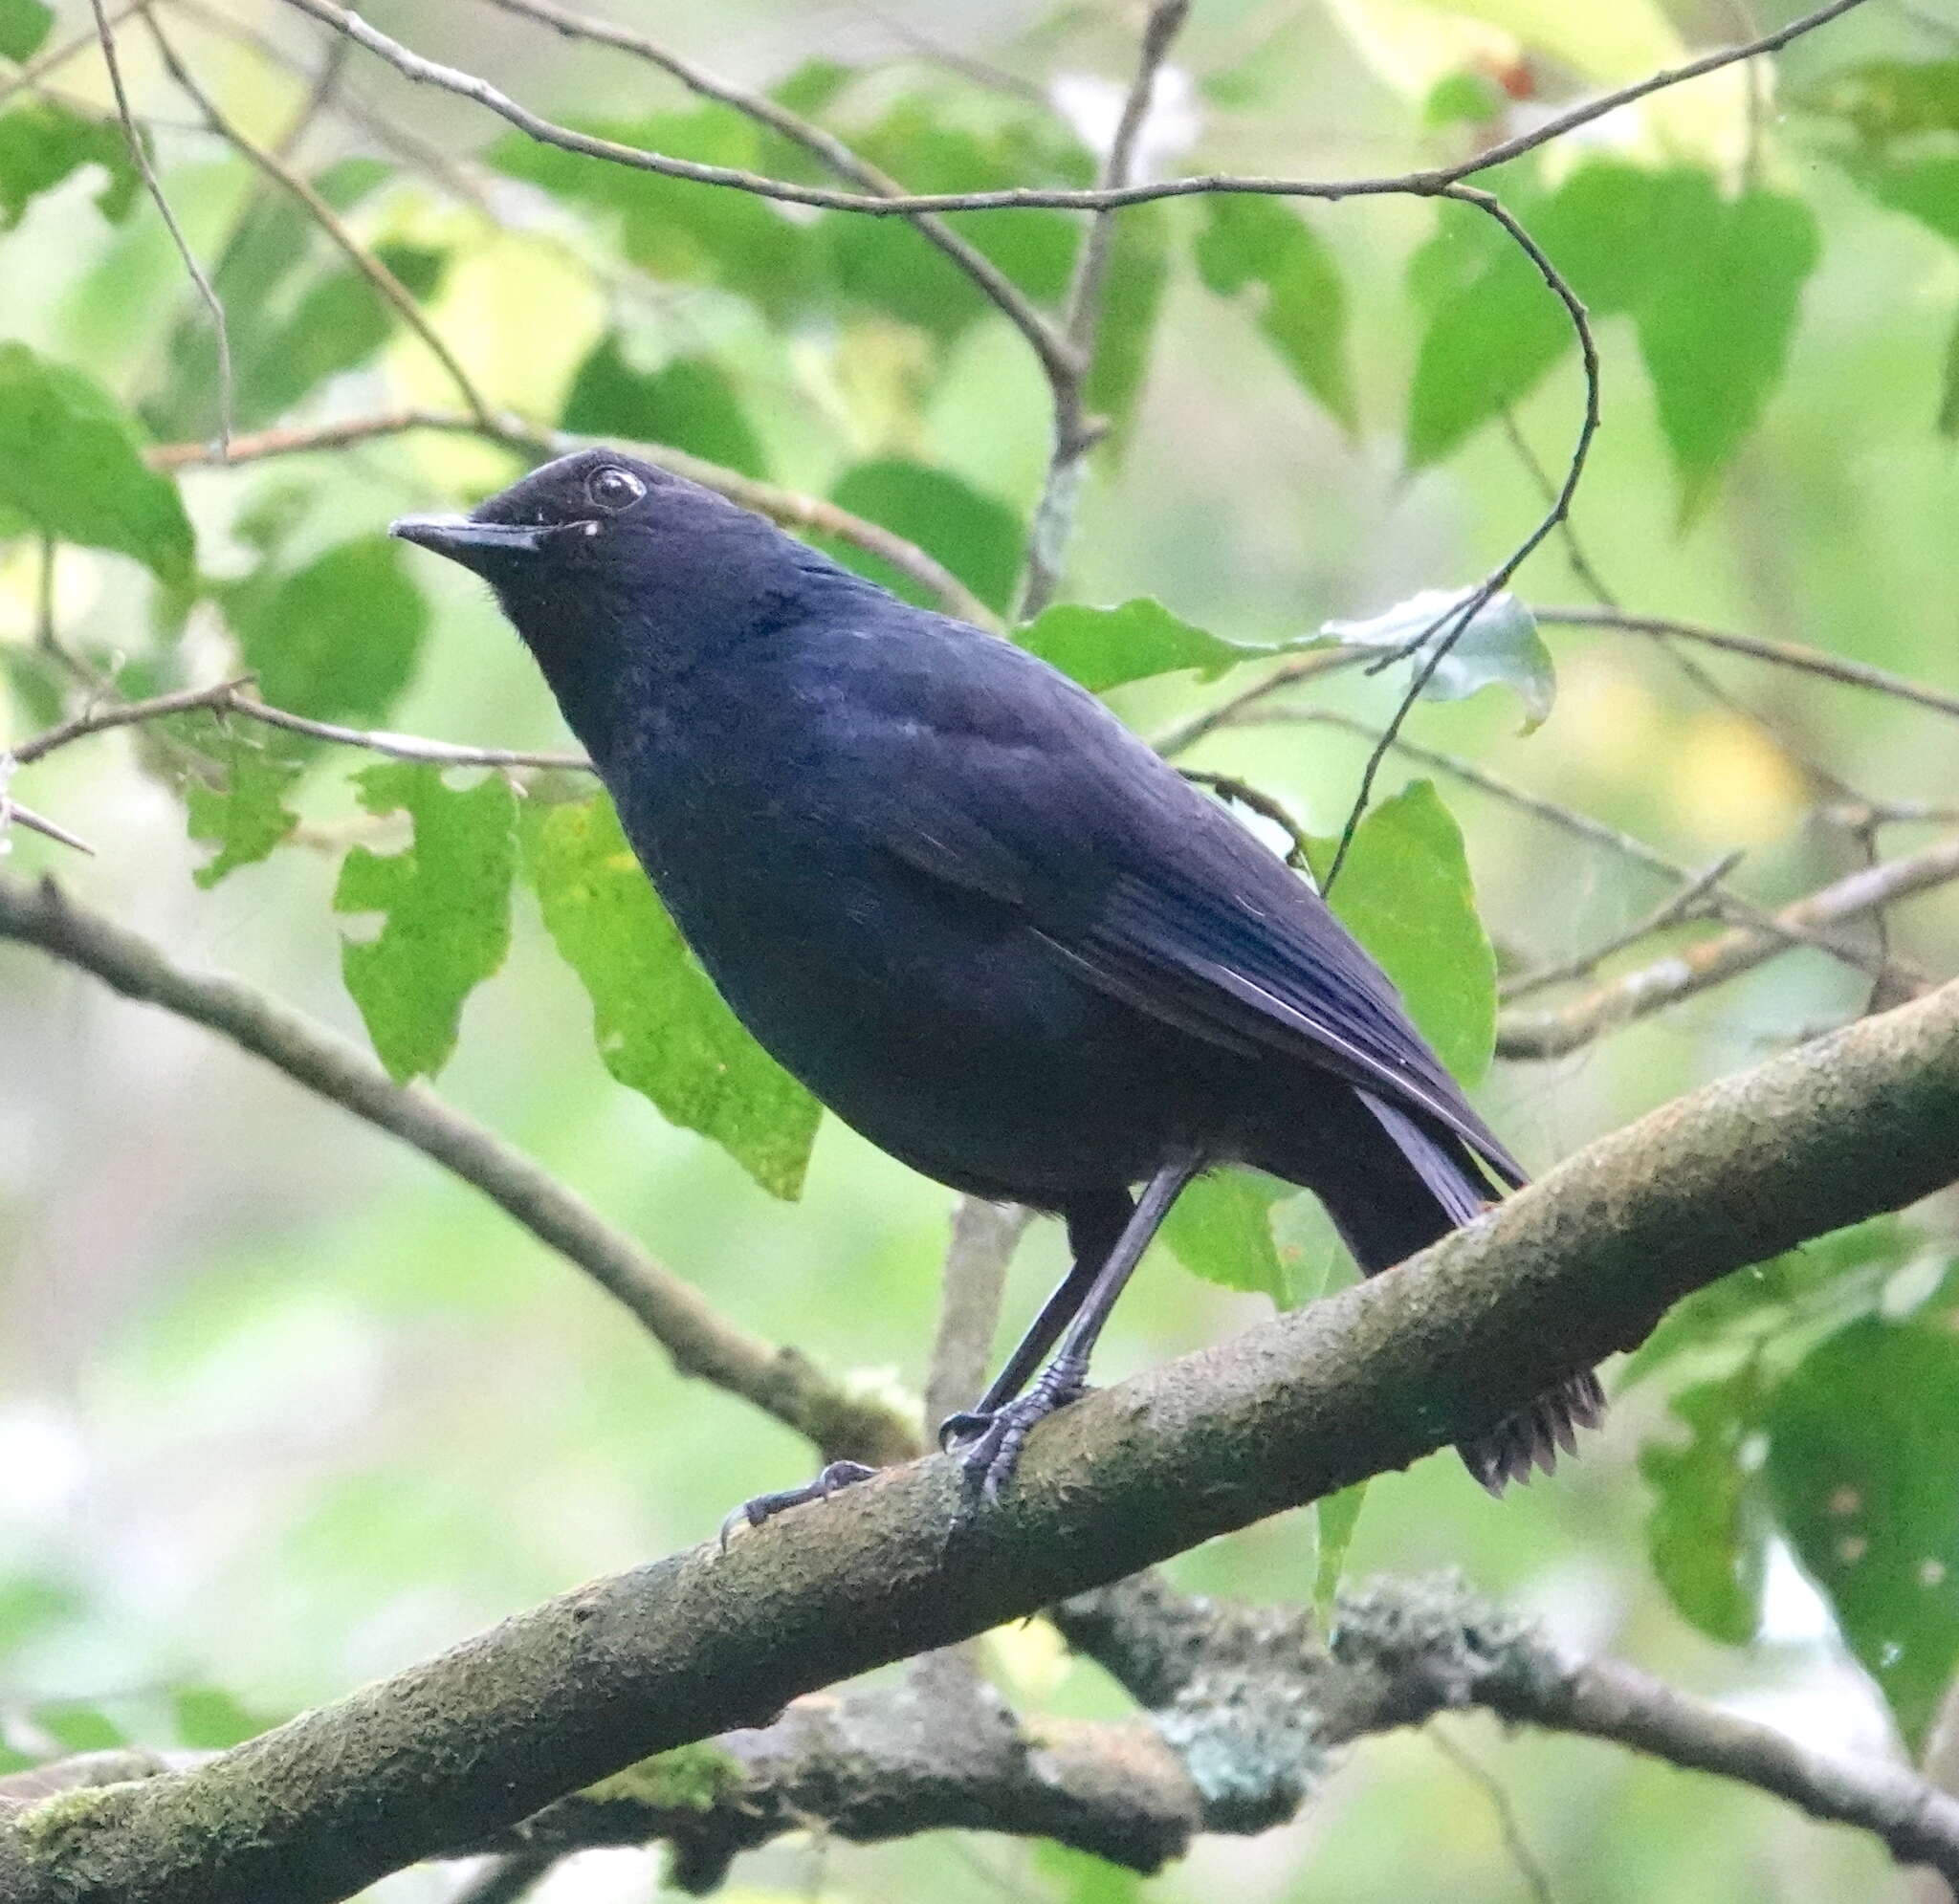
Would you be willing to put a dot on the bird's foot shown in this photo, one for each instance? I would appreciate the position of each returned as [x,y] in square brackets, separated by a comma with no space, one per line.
[767,1506]
[989,1445]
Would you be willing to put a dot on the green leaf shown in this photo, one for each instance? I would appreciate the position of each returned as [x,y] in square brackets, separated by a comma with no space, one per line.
[1464,98]
[44,142]
[446,901]
[338,639]
[1864,1443]
[1705,1546]
[679,231]
[1405,893]
[1221,1229]
[1302,304]
[661,1026]
[23,26]
[244,812]
[296,314]
[1336,1516]
[31,1605]
[1494,327]
[70,465]
[1715,327]
[1138,269]
[975,535]
[1105,648]
[76,1727]
[1080,1877]
[812,86]
[1500,644]
[210,1719]
[689,403]
[1886,99]
[1925,187]
[1493,330]
[884,264]
[1837,1275]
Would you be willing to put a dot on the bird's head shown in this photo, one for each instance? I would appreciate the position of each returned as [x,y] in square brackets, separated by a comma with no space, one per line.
[618,574]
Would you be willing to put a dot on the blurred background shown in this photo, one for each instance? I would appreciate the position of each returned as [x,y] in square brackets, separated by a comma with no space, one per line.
[281,1408]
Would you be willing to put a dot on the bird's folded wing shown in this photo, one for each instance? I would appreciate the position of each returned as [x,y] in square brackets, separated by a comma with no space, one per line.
[1160,898]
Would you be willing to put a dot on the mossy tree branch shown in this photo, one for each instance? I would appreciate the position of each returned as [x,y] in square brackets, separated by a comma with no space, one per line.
[463,1746]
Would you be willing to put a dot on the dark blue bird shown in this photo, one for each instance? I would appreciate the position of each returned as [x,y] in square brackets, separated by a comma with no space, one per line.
[976,916]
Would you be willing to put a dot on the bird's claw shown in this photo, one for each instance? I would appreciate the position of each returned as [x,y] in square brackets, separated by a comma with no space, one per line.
[767,1506]
[968,1424]
[989,1445]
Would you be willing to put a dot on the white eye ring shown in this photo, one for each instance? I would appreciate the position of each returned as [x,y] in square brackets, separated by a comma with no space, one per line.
[612,489]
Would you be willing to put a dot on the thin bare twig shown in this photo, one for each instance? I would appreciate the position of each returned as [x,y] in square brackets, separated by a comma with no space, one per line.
[789,507]
[11,812]
[100,715]
[1264,805]
[402,746]
[1550,1034]
[1731,905]
[984,1236]
[1235,710]
[1671,911]
[1430,183]
[1075,432]
[1056,352]
[1781,655]
[388,287]
[1434,642]
[1508,1826]
[699,1340]
[407,144]
[230,698]
[138,153]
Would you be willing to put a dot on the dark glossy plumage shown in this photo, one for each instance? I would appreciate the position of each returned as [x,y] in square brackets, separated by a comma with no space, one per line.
[951,893]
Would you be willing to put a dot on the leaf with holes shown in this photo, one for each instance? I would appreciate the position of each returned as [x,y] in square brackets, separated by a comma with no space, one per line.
[661,1026]
[1251,242]
[1863,1442]
[243,813]
[445,902]
[1405,893]
[44,142]
[1706,1542]
[71,466]
[1105,648]
[1835,1278]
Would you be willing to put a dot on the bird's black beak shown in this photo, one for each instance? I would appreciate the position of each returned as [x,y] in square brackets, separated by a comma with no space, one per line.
[475,545]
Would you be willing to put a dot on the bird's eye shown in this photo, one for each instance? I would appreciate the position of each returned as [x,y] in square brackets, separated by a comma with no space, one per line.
[614,488]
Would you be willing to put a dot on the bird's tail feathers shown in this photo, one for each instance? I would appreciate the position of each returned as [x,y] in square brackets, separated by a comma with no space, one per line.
[1532,1436]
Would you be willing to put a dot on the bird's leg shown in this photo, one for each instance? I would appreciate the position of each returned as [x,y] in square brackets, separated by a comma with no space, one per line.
[991,1457]
[839,1474]
[1095,1225]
